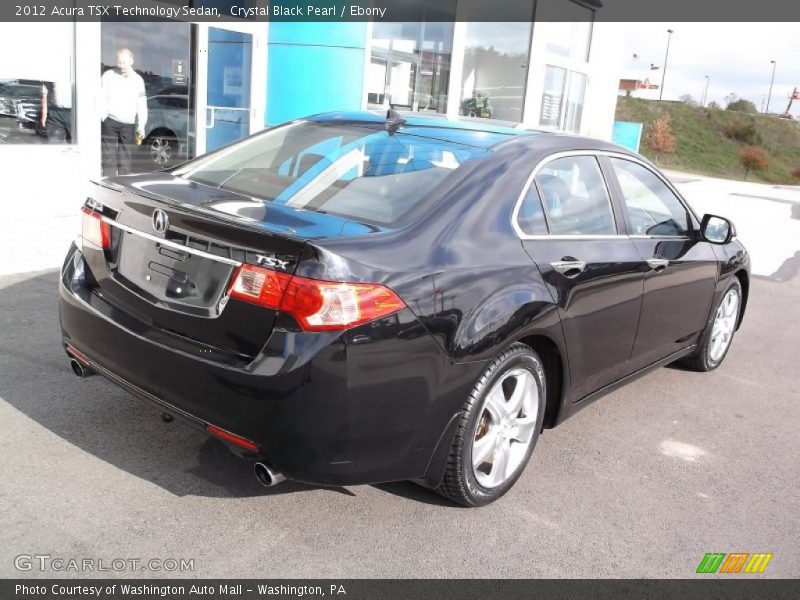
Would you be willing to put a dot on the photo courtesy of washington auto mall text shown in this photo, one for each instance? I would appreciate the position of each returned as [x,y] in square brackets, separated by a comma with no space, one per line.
[399,299]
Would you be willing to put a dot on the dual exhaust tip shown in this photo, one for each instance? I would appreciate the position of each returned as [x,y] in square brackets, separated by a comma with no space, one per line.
[266,474]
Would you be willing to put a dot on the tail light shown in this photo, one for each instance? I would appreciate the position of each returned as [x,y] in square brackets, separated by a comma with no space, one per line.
[95,230]
[316,305]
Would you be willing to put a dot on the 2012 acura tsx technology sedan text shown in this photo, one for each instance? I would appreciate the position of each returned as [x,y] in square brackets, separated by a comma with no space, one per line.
[357,298]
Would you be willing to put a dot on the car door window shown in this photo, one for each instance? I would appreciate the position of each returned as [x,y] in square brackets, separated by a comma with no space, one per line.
[530,217]
[653,208]
[575,197]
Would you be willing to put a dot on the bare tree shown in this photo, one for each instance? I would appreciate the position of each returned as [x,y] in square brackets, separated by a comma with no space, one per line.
[688,100]
[753,159]
[660,137]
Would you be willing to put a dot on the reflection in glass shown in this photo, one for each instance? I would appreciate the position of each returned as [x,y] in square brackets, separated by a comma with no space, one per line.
[410,65]
[495,70]
[163,58]
[36,84]
[577,90]
[230,55]
[554,80]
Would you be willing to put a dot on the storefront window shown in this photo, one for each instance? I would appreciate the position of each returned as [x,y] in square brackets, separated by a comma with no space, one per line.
[495,70]
[410,66]
[574,112]
[162,57]
[37,84]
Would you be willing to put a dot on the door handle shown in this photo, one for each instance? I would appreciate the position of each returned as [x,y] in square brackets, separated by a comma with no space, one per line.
[569,268]
[657,264]
[210,111]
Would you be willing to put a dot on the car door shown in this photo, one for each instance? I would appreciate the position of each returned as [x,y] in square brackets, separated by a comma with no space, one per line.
[571,229]
[681,268]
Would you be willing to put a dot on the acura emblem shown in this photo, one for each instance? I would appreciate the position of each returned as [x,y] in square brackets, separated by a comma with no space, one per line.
[159,220]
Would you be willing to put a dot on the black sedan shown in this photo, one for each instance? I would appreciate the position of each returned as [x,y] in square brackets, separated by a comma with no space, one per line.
[353,298]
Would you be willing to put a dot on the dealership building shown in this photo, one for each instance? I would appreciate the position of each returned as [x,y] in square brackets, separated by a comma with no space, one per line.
[210,83]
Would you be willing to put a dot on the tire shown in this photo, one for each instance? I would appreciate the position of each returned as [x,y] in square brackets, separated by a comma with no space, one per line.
[488,415]
[725,318]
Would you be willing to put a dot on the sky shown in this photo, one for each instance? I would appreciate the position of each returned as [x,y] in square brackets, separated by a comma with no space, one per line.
[735,56]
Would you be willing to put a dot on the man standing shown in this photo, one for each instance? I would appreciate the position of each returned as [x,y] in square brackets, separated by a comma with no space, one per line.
[124,113]
[56,112]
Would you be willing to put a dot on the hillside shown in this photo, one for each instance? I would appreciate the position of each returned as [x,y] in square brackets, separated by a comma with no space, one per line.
[704,142]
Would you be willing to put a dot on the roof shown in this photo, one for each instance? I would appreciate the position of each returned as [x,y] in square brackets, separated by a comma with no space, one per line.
[466,132]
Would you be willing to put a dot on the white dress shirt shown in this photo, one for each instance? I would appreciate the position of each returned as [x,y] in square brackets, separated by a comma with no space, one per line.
[124,98]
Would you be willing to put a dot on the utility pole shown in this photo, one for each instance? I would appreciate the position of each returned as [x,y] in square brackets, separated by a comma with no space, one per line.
[705,93]
[771,81]
[664,72]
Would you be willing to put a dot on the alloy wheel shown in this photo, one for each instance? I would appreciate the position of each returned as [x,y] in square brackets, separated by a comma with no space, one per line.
[505,428]
[161,150]
[724,326]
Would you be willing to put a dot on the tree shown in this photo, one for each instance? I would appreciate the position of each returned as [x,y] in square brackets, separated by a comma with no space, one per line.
[753,159]
[688,100]
[714,104]
[730,99]
[743,105]
[660,138]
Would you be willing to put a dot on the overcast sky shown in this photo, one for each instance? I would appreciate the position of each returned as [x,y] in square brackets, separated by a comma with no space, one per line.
[736,57]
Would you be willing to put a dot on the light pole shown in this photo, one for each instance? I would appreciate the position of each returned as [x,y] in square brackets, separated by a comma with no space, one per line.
[771,81]
[664,72]
[705,93]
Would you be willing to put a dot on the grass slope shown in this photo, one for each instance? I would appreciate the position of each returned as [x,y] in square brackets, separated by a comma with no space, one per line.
[702,146]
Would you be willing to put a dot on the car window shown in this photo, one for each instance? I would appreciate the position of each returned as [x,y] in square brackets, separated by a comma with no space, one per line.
[575,197]
[364,173]
[530,217]
[652,207]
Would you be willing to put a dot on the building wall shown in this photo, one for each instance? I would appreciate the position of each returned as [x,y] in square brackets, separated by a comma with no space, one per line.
[314,68]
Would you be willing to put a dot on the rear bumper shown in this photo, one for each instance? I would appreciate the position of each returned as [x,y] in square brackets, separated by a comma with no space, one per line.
[366,406]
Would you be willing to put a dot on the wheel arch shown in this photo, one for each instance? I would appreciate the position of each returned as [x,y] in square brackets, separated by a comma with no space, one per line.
[161,131]
[744,279]
[555,373]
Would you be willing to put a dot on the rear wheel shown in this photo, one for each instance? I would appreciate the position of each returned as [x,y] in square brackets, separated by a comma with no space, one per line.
[498,429]
[716,340]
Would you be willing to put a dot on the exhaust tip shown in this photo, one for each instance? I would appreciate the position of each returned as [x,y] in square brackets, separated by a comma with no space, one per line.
[79,369]
[266,475]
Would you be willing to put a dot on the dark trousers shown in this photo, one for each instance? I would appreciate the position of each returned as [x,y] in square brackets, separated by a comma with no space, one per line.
[59,125]
[117,140]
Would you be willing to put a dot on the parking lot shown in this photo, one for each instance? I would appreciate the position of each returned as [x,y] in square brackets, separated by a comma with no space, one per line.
[642,483]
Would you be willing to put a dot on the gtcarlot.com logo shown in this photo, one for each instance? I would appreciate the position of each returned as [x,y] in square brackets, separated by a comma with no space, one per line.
[735,562]
[47,562]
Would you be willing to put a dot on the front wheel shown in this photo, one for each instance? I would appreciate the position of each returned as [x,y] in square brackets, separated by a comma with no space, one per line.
[716,340]
[498,429]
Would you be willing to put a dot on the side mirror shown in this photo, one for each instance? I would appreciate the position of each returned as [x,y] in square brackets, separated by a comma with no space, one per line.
[717,230]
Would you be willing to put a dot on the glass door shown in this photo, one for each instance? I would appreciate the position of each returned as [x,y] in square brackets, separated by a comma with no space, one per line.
[229,105]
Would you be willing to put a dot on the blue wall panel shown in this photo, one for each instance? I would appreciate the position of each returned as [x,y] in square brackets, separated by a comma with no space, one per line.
[314,68]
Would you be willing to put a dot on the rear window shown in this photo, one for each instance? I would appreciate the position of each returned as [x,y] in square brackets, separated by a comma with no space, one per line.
[361,173]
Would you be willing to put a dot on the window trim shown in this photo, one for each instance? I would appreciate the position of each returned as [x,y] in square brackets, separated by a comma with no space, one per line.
[613,198]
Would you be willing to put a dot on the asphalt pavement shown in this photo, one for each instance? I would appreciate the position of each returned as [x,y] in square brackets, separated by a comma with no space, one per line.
[642,483]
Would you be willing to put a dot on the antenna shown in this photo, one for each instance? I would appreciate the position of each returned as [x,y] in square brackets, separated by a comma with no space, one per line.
[393,121]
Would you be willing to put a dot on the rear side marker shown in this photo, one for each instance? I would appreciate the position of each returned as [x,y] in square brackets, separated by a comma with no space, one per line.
[227,436]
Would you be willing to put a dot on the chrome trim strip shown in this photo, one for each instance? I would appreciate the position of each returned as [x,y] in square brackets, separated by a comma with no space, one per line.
[176,246]
[596,153]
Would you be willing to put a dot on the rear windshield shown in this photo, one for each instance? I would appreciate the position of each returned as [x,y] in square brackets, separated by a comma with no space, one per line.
[361,173]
